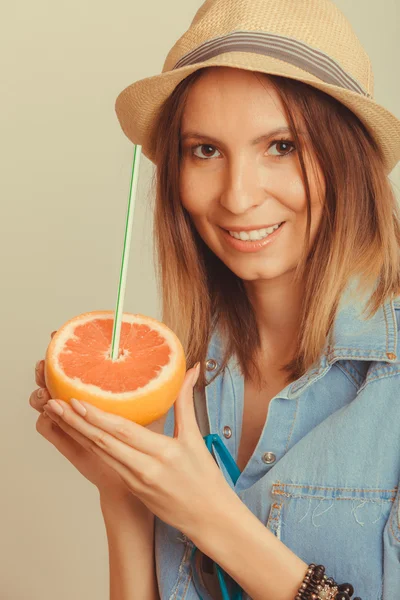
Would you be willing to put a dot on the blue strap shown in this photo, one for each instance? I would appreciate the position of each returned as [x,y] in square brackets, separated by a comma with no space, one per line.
[225,455]
[234,472]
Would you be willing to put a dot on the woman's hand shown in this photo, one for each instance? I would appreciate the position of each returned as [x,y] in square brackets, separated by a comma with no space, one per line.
[75,447]
[176,478]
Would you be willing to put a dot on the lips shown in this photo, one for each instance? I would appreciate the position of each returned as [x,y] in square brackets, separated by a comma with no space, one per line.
[252,246]
[251,227]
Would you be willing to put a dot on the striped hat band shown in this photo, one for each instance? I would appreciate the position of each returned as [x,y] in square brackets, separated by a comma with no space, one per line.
[290,50]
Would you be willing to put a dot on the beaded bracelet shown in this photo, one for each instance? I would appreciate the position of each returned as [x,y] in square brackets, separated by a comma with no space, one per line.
[316,585]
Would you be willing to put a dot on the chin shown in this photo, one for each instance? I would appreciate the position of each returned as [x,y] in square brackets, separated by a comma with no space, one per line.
[263,274]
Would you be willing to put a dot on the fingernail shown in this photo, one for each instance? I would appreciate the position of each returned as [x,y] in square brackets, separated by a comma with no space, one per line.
[196,373]
[38,365]
[78,407]
[53,405]
[40,393]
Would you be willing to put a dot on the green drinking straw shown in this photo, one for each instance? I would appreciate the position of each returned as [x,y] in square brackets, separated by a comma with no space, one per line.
[125,254]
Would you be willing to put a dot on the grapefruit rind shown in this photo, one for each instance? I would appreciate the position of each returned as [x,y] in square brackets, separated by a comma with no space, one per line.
[142,405]
[66,332]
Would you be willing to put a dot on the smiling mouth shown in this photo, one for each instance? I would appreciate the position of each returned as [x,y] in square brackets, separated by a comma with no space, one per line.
[255,228]
[254,235]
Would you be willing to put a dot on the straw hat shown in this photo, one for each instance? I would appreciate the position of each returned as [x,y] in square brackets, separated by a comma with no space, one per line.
[307,40]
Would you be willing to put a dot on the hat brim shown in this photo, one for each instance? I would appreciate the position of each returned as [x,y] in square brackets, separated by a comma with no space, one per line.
[138,105]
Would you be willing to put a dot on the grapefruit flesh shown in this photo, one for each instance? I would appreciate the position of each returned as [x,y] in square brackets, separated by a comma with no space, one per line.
[141,384]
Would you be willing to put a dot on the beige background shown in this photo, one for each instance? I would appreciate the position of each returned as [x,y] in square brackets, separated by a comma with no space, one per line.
[64,186]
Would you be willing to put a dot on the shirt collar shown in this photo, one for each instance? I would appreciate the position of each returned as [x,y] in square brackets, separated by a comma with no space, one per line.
[351,337]
[355,337]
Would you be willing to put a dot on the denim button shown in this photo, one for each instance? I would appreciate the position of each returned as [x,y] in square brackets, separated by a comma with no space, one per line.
[227,432]
[269,457]
[211,364]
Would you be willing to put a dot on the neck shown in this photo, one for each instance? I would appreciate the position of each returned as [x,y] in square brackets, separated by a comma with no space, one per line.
[277,305]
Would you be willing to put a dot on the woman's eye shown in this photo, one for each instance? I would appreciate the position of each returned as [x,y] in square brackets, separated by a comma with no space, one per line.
[285,144]
[209,151]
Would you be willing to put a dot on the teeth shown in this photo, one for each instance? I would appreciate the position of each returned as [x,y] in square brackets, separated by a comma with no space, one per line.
[257,234]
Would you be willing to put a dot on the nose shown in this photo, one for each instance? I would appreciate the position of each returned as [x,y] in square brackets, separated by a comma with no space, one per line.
[242,187]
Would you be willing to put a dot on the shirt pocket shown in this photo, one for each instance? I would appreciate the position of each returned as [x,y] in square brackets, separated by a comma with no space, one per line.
[338,527]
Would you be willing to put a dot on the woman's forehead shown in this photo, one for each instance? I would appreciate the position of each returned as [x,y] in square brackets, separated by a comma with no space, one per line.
[223,94]
[227,80]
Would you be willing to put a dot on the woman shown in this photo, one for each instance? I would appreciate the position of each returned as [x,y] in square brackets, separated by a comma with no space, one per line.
[277,236]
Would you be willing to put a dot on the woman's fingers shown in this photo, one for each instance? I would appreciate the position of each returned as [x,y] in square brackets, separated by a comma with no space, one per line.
[39,369]
[39,373]
[81,443]
[66,439]
[115,435]
[67,429]
[106,425]
[36,401]
[67,442]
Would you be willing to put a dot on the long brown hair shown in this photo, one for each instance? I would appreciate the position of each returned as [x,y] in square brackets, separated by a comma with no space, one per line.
[358,235]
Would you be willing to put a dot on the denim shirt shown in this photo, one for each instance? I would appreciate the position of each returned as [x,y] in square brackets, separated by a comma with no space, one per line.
[324,476]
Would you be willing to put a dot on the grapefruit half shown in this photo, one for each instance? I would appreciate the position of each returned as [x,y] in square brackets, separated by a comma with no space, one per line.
[141,385]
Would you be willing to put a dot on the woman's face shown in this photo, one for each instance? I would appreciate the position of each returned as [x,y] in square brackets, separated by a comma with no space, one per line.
[230,180]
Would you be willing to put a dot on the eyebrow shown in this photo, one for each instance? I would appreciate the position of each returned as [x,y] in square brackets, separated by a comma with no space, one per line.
[261,138]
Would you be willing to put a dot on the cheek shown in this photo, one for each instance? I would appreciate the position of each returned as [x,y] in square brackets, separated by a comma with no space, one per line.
[296,187]
[188,192]
[194,205]
[292,195]
[194,197]
[297,199]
